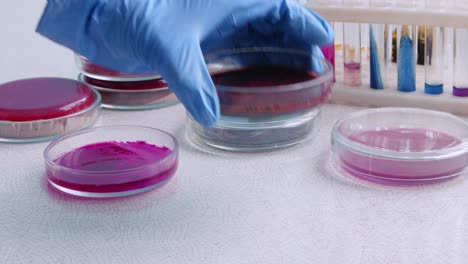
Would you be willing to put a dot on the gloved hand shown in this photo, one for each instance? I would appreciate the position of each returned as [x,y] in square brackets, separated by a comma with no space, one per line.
[171,36]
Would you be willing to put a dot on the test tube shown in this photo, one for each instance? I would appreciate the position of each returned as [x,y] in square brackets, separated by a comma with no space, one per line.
[352,54]
[379,55]
[460,65]
[420,59]
[407,59]
[338,28]
[434,60]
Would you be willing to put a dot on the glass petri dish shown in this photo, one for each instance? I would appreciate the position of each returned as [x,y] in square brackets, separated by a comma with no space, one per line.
[246,135]
[401,146]
[269,98]
[101,73]
[41,109]
[133,95]
[111,161]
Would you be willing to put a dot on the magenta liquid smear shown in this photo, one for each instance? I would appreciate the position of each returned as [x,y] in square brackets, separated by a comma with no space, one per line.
[113,167]
[402,140]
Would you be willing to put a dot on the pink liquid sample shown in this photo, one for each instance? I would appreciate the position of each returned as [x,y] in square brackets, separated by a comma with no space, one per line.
[43,98]
[113,167]
[270,101]
[404,141]
[352,74]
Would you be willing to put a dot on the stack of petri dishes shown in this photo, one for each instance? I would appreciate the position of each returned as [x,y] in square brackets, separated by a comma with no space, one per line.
[125,91]
[270,98]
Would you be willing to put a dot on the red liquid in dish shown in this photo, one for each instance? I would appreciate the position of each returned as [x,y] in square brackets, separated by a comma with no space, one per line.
[402,140]
[43,98]
[113,167]
[269,101]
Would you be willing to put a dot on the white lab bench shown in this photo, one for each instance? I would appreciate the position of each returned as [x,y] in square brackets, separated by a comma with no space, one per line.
[287,206]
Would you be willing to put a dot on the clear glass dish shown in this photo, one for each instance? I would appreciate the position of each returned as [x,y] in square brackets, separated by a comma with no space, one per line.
[111,161]
[41,109]
[244,135]
[401,146]
[134,95]
[269,97]
[101,73]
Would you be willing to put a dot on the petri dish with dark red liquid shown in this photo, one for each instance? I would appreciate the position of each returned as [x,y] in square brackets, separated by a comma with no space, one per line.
[111,161]
[40,109]
[98,72]
[132,95]
[269,98]
[401,146]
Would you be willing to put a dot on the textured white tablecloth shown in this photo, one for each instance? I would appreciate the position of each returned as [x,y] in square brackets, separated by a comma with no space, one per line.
[281,207]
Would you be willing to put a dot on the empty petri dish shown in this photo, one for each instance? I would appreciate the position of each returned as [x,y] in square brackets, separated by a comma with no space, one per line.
[269,98]
[401,146]
[132,95]
[40,109]
[102,73]
[111,161]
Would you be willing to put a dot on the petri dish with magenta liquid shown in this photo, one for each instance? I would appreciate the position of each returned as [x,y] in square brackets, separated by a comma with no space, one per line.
[132,95]
[401,146]
[269,97]
[98,72]
[41,109]
[111,161]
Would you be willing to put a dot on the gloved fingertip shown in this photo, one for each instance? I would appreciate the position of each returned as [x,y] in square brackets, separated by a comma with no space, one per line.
[207,116]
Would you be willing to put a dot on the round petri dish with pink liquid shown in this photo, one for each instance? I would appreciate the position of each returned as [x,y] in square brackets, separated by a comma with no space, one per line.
[96,71]
[132,95]
[41,109]
[111,161]
[270,98]
[401,146]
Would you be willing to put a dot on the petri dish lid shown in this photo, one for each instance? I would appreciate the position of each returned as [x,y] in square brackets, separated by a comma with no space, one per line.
[102,73]
[43,98]
[146,85]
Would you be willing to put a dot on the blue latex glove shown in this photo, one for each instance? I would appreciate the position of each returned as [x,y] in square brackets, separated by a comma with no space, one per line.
[171,36]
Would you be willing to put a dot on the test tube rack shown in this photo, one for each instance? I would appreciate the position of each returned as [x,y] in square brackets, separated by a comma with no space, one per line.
[426,13]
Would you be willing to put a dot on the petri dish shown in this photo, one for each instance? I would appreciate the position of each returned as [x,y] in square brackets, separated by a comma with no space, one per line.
[269,98]
[246,135]
[111,161]
[132,95]
[401,146]
[40,109]
[102,73]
